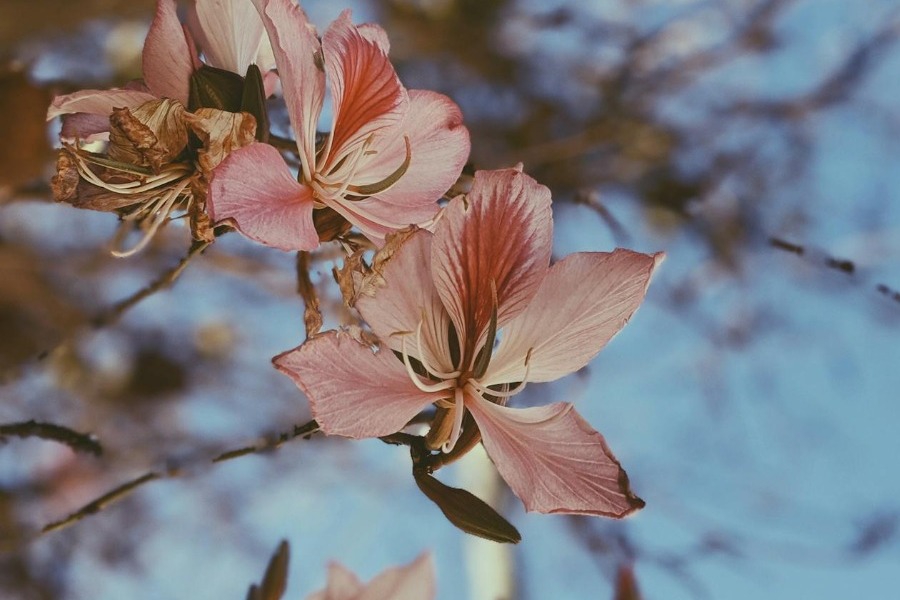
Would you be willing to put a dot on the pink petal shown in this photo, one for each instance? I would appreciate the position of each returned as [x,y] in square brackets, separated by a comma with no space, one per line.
[375,33]
[583,302]
[353,391]
[376,219]
[439,147]
[407,298]
[84,127]
[232,33]
[97,102]
[342,585]
[255,190]
[553,460]
[167,61]
[501,232]
[414,581]
[366,92]
[295,45]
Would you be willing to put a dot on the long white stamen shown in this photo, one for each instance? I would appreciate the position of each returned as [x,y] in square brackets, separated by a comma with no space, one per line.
[508,392]
[161,215]
[459,410]
[428,367]
[437,387]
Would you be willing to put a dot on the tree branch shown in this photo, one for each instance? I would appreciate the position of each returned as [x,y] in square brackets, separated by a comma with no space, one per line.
[79,442]
[126,489]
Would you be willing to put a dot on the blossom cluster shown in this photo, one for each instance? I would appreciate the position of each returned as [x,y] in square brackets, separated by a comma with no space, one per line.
[461,303]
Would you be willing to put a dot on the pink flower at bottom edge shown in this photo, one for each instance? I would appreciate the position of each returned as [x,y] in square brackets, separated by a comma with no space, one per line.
[486,266]
[414,581]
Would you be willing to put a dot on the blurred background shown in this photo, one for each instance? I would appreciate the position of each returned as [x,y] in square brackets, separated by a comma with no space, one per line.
[753,399]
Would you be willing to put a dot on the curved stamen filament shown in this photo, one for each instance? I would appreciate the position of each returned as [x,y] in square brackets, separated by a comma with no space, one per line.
[459,410]
[437,387]
[428,367]
[508,392]
[162,213]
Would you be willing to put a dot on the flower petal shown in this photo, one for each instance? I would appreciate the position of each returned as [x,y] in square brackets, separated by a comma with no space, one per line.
[407,297]
[439,147]
[97,102]
[366,92]
[499,235]
[167,60]
[414,581]
[342,584]
[583,302]
[254,189]
[553,460]
[232,33]
[295,46]
[353,391]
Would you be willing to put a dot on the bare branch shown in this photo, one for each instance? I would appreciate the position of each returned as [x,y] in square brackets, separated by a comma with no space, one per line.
[126,489]
[79,442]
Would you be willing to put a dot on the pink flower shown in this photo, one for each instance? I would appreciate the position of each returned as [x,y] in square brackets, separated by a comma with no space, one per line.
[443,301]
[230,34]
[414,581]
[390,155]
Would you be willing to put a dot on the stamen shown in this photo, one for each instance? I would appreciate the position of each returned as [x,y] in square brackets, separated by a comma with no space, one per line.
[437,387]
[161,215]
[428,367]
[508,392]
[459,410]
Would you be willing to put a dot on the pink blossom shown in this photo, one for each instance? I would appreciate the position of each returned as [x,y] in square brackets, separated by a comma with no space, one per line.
[414,581]
[440,301]
[230,34]
[390,155]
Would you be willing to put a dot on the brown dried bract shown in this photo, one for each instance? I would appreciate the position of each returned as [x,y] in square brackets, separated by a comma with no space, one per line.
[220,133]
[151,135]
[65,183]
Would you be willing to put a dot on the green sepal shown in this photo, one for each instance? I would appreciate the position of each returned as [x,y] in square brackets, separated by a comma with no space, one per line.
[467,511]
[253,101]
[215,88]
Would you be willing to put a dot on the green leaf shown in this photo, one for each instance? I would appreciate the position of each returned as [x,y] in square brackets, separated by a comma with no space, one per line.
[215,88]
[467,511]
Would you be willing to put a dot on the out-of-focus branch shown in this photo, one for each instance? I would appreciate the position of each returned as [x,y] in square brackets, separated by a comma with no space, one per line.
[312,315]
[838,264]
[79,442]
[126,489]
[114,313]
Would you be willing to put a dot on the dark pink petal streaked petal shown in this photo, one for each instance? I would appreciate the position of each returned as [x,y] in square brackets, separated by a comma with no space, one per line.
[583,302]
[439,148]
[167,60]
[254,189]
[408,298]
[295,46]
[553,460]
[500,233]
[366,92]
[353,391]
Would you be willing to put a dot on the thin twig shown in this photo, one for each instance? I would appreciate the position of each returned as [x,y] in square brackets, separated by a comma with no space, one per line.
[843,265]
[312,315]
[118,493]
[115,312]
[79,442]
[165,280]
